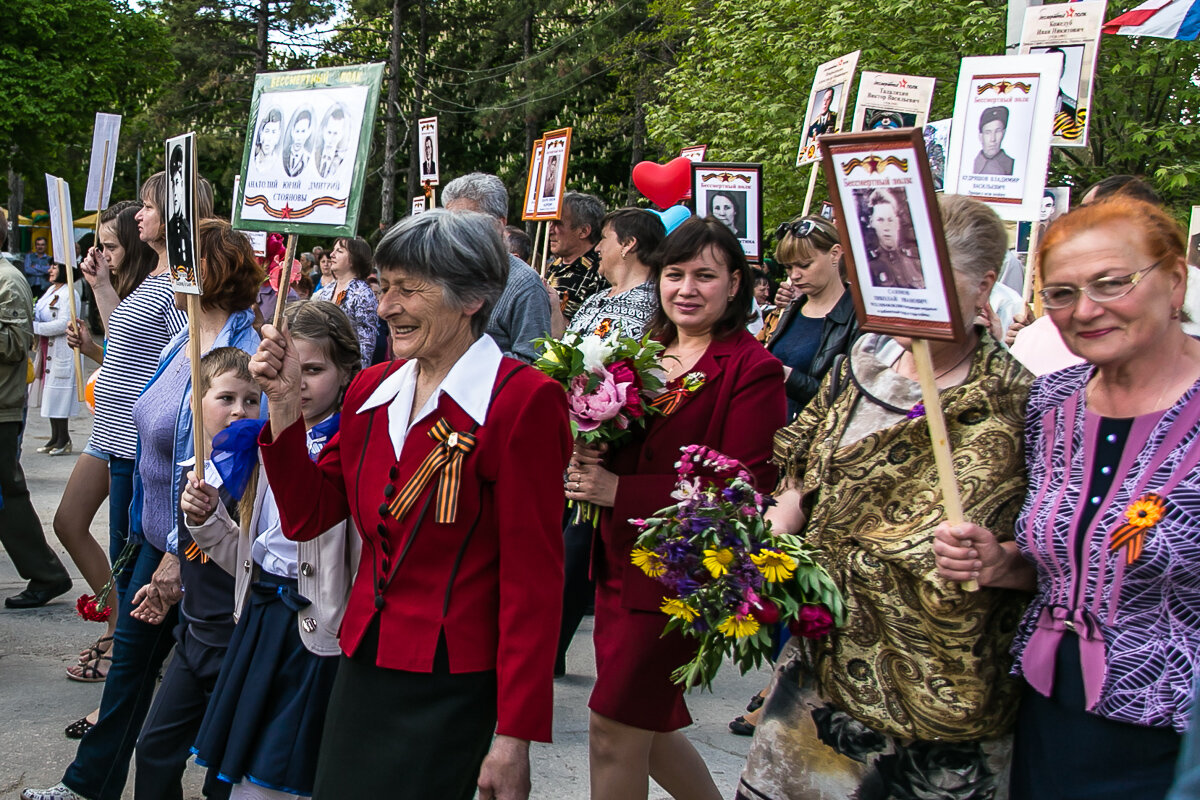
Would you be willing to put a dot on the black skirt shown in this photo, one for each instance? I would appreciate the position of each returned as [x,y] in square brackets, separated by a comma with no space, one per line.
[267,712]
[404,735]
[1062,752]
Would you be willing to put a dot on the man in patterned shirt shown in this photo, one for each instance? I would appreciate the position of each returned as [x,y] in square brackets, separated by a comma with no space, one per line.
[574,272]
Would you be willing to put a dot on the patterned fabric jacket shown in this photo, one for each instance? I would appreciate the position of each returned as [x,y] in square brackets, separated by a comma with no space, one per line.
[918,658]
[1138,623]
[576,281]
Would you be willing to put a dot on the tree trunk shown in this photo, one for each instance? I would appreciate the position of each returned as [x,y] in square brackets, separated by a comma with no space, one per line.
[639,138]
[531,120]
[387,203]
[262,45]
[16,199]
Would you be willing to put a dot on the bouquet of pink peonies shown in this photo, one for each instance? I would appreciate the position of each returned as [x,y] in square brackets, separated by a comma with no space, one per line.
[732,577]
[608,381]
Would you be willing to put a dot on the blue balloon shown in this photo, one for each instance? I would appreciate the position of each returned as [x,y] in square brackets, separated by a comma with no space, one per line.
[673,217]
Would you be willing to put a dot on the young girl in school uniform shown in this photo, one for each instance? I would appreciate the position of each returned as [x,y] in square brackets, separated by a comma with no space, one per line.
[263,725]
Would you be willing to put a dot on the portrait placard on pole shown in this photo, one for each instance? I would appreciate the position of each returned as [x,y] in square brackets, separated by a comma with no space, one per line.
[182,262]
[937,145]
[732,193]
[1072,29]
[62,236]
[529,210]
[694,153]
[103,162]
[826,100]
[307,142]
[1000,139]
[427,134]
[418,205]
[552,182]
[886,101]
[896,258]
[258,239]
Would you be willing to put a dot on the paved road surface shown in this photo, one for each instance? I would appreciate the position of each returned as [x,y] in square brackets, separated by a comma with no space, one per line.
[37,700]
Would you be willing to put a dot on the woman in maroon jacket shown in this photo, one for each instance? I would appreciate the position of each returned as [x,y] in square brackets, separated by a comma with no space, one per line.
[725,391]
[449,461]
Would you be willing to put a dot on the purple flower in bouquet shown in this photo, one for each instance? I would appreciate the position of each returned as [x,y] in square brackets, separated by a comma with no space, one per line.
[590,409]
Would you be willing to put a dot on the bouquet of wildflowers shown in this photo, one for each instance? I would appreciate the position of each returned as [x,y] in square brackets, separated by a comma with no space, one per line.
[733,578]
[608,381]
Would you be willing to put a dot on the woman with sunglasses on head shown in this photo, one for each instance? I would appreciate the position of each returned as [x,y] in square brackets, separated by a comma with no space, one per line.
[1107,538]
[819,323]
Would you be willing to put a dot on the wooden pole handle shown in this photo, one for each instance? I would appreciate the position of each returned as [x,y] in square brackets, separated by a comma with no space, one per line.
[940,440]
[285,279]
[812,186]
[194,355]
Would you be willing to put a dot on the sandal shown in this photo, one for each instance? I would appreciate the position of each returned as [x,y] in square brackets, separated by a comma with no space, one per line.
[89,672]
[99,648]
[742,727]
[78,728]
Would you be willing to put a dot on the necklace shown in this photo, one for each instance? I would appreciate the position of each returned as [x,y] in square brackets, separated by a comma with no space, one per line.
[957,364]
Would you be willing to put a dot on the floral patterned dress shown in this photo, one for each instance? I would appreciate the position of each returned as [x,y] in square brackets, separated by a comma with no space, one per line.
[910,697]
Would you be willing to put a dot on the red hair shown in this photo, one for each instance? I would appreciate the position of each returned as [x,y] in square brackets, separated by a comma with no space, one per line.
[1160,235]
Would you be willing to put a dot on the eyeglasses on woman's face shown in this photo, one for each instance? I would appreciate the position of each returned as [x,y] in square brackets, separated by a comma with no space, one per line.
[1102,290]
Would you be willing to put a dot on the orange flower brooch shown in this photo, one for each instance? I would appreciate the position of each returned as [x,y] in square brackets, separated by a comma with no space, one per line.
[1143,514]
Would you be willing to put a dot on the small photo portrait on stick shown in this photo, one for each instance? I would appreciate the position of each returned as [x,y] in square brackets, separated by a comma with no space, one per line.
[181,217]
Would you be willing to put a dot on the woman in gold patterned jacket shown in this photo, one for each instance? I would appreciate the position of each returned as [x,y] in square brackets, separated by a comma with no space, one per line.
[911,697]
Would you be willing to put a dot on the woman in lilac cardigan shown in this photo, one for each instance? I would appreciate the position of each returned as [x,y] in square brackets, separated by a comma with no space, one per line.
[1109,536]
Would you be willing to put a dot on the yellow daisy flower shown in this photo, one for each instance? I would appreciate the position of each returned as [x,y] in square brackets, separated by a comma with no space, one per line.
[736,627]
[1145,512]
[775,566]
[648,562]
[717,561]
[675,607]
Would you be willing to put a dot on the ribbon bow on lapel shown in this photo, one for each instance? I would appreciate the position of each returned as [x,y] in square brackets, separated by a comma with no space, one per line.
[447,457]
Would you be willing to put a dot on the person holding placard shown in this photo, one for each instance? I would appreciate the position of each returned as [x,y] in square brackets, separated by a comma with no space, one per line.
[1107,535]
[350,262]
[149,608]
[723,391]
[909,697]
[59,400]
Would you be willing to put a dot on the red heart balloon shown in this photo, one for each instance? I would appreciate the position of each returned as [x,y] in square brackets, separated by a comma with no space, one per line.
[665,184]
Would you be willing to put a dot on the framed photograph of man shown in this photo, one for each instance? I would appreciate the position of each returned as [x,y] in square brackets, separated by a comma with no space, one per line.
[896,258]
[529,209]
[103,162]
[427,135]
[826,101]
[1000,140]
[552,181]
[307,140]
[418,205]
[886,101]
[1072,30]
[183,264]
[732,193]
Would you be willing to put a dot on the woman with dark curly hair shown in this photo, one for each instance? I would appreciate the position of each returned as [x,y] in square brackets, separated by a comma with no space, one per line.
[350,262]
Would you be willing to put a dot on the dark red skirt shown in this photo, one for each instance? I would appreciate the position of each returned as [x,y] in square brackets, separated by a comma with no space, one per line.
[634,662]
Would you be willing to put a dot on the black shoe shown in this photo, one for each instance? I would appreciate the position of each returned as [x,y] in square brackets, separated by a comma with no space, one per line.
[755,703]
[35,598]
[741,727]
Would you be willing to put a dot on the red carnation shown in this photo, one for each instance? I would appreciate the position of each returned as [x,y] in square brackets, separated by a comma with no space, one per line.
[766,612]
[87,608]
[813,622]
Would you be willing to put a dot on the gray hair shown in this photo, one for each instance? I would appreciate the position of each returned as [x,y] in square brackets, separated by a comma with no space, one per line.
[486,191]
[461,252]
[586,209]
[975,236]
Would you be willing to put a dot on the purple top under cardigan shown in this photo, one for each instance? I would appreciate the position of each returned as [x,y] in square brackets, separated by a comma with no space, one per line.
[1138,624]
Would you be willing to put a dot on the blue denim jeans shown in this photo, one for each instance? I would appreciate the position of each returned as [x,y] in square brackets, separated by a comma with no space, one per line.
[120,495]
[101,764]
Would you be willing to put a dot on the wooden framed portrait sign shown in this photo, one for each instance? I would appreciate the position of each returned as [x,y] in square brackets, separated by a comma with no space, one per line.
[1000,139]
[552,179]
[307,142]
[732,193]
[826,105]
[895,249]
[183,261]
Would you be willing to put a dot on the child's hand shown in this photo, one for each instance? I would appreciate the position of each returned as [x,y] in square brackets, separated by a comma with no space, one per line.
[199,500]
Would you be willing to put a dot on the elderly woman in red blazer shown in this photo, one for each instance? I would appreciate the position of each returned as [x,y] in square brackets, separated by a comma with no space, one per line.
[726,391]
[449,461]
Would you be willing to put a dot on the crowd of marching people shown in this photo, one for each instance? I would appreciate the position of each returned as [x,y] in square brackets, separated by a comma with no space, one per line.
[370,579]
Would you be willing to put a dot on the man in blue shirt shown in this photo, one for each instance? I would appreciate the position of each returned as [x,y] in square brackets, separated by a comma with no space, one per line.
[37,267]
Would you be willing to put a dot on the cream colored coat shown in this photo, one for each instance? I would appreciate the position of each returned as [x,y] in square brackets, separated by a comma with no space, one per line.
[327,565]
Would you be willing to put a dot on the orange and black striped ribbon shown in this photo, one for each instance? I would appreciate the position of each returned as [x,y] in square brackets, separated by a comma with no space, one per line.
[669,400]
[1133,537]
[194,552]
[446,457]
